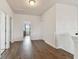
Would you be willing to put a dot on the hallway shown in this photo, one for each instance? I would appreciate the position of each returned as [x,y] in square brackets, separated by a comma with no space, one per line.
[52,25]
[35,49]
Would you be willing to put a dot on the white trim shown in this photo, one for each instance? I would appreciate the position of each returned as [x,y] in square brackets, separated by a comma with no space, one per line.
[50,44]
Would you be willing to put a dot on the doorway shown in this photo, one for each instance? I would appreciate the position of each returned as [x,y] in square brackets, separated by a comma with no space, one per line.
[27,30]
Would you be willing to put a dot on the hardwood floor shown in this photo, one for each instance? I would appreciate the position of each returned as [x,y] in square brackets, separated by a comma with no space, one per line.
[34,50]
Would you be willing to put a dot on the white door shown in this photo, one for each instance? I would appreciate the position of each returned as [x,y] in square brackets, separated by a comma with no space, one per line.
[2,31]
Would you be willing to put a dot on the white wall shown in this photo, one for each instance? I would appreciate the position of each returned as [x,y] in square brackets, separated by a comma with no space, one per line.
[49,25]
[64,41]
[5,7]
[60,21]
[66,19]
[7,10]
[18,24]
[75,39]
[66,24]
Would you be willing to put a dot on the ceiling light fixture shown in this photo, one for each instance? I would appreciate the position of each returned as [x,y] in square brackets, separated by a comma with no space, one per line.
[32,2]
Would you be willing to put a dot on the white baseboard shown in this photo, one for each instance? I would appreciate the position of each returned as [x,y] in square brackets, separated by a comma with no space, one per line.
[17,39]
[50,44]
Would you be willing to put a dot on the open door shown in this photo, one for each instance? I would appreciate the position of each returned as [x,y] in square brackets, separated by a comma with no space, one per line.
[27,29]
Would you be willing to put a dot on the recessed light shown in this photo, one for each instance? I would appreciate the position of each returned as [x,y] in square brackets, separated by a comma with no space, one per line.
[31,3]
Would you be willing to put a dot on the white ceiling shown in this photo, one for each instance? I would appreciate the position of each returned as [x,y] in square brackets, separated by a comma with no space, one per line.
[21,7]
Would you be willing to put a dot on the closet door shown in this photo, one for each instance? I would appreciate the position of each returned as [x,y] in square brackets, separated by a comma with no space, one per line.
[2,31]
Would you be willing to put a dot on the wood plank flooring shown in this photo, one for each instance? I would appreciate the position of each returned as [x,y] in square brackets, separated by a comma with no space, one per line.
[34,50]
